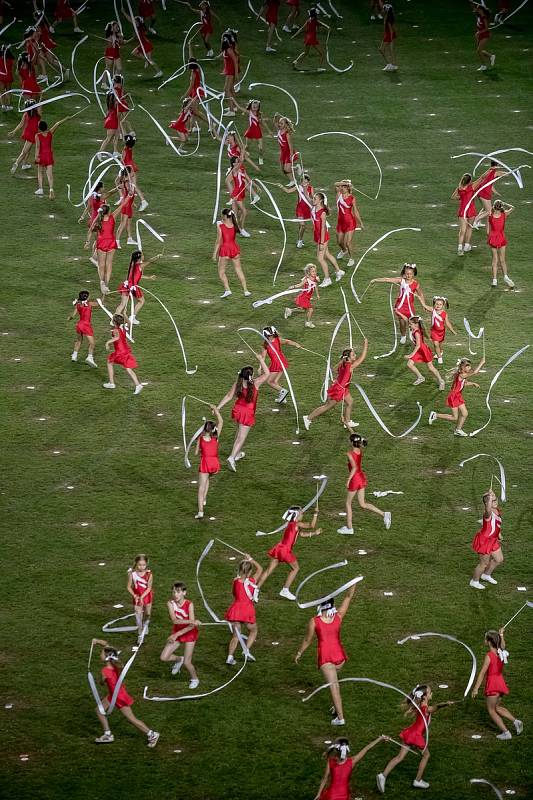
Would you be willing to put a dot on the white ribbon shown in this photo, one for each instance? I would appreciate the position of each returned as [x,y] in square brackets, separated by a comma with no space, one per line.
[395,345]
[380,421]
[238,84]
[219,170]
[333,67]
[347,316]
[385,493]
[484,186]
[180,341]
[132,15]
[496,791]
[167,137]
[329,374]
[281,89]
[330,4]
[367,251]
[330,595]
[280,218]
[110,627]
[97,80]
[187,445]
[73,56]
[110,315]
[184,46]
[484,156]
[493,382]
[528,604]
[415,636]
[268,300]
[55,99]
[9,24]
[353,136]
[479,335]
[503,483]
[312,502]
[149,228]
[258,16]
[496,25]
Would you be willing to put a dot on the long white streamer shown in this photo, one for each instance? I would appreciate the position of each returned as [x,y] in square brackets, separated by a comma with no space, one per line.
[479,335]
[503,482]
[187,445]
[496,791]
[415,636]
[504,22]
[281,89]
[357,138]
[110,315]
[280,218]
[55,99]
[187,369]
[339,564]
[484,156]
[380,421]
[268,300]
[219,170]
[330,4]
[314,500]
[330,63]
[72,58]
[328,375]
[165,134]
[118,686]
[331,595]
[238,84]
[369,249]
[184,46]
[149,228]
[9,24]
[110,626]
[493,382]
[489,183]
[132,15]
[394,326]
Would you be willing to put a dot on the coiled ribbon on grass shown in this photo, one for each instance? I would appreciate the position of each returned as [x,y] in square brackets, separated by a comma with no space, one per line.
[333,67]
[479,335]
[358,139]
[502,479]
[314,500]
[416,636]
[493,383]
[110,627]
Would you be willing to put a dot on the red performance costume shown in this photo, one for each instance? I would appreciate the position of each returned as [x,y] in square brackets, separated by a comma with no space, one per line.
[487,539]
[484,190]
[414,735]
[106,240]
[328,634]
[46,153]
[282,551]
[276,355]
[405,302]
[423,354]
[304,206]
[239,185]
[438,325]
[63,10]
[340,774]
[242,609]
[284,149]
[111,676]
[455,397]
[228,247]
[316,216]
[496,237]
[243,410]
[359,479]
[303,300]
[253,131]
[31,126]
[494,681]
[209,462]
[84,327]
[465,196]
[181,614]
[122,352]
[140,585]
[180,124]
[311,28]
[341,387]
[345,220]
[130,285]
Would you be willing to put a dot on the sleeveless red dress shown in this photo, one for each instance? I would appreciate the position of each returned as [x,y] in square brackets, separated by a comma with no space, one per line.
[423,354]
[317,226]
[359,480]
[283,550]
[31,127]
[330,649]
[486,191]
[46,153]
[339,787]
[111,676]
[243,411]
[465,195]
[139,585]
[494,681]
[209,462]
[228,247]
[438,325]
[106,240]
[181,614]
[311,28]
[275,355]
[130,285]
[84,327]
[455,397]
[341,387]
[487,539]
[303,300]
[303,208]
[122,352]
[242,609]
[414,735]
[496,237]
[345,220]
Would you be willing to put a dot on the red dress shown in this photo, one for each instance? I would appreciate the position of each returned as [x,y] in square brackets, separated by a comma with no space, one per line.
[303,300]
[229,61]
[126,208]
[359,479]
[341,387]
[46,153]
[253,131]
[455,397]
[482,27]
[339,787]
[243,411]
[206,28]
[122,352]
[272,10]
[29,81]
[414,735]
[95,201]
[145,47]
[283,550]
[317,226]
[487,539]
[181,613]
[111,676]
[311,27]
[209,462]
[195,89]
[130,285]
[284,149]
[438,325]
[496,237]
[275,355]
[146,9]
[494,680]
[106,241]
[127,159]
[139,585]
[6,71]
[330,649]
[180,124]
[242,609]
[405,302]
[31,127]
[486,191]
[44,36]
[465,195]
[228,246]
[84,327]
[63,10]
[389,34]
[303,207]
[423,354]
[239,185]
[112,51]
[234,151]
[345,221]
[111,119]
[122,105]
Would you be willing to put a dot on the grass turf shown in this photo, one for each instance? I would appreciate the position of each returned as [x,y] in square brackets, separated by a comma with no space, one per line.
[257,739]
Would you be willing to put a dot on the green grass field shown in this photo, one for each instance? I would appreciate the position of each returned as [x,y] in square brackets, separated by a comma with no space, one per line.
[74,454]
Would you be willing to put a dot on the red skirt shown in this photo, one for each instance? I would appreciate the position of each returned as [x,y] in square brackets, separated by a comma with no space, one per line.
[243,415]
[112,53]
[63,12]
[147,599]
[111,120]
[84,329]
[191,636]
[303,300]
[134,290]
[483,545]
[346,224]
[480,35]
[359,481]
[126,360]
[311,40]
[455,399]
[240,611]
[496,239]
[389,37]
[206,29]
[209,465]
[272,15]
[338,392]
[423,354]
[253,132]
[282,553]
[413,738]
[126,209]
[495,685]
[123,698]
[229,250]
[437,335]
[302,210]
[46,160]
[177,125]
[238,194]
[138,51]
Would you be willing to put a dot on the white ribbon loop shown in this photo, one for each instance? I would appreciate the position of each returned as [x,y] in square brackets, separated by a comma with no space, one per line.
[306,507]
[281,89]
[415,636]
[358,139]
[503,482]
[493,383]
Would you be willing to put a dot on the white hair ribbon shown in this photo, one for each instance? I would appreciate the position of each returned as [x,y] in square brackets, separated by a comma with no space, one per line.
[415,636]
[493,382]
[502,479]
[281,89]
[394,326]
[358,139]
[306,507]
[367,251]
[329,62]
[329,374]
[380,421]
[376,683]
[180,341]
[496,791]
[503,655]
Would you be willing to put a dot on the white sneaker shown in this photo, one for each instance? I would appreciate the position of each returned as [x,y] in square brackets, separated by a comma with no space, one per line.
[467,248]
[109,386]
[245,233]
[420,784]
[508,281]
[152,30]
[26,166]
[386,68]
[159,74]
[336,721]
[288,312]
[393,67]
[135,321]
[351,424]
[494,282]
[240,455]
[380,781]
[255,197]
[306,421]
[300,243]
[459,249]
[459,432]
[105,738]
[247,293]
[74,356]
[309,324]
[439,360]
[227,293]
[199,515]
[153,738]
[289,184]
[209,54]
[39,192]
[78,30]
[419,380]
[519,726]
[260,161]
[288,595]
[403,339]
[282,395]
[476,584]
[286,29]
[339,275]
[387,519]
[345,530]
[138,389]
[231,462]
[270,50]
[340,255]
[231,661]
[326,282]
[132,241]
[489,579]
[118,244]
[176,666]
[351,262]
[144,204]
[482,68]
[505,736]
[102,285]
[194,683]
[432,417]
[90,360]
[492,60]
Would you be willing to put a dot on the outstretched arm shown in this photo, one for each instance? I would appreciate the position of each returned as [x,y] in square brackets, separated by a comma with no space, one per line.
[362,753]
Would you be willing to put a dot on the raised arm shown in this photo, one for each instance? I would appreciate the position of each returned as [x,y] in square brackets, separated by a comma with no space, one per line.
[220,421]
[345,605]
[362,357]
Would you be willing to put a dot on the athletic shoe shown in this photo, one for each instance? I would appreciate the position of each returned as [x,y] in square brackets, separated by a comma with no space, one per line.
[135,321]
[153,738]
[240,455]
[109,386]
[199,515]
[159,74]
[90,360]
[380,781]
[39,192]
[144,204]
[270,50]
[255,197]
[300,243]
[419,380]
[460,251]
[118,244]
[387,68]
[176,666]
[78,30]
[505,736]
[508,281]
[494,282]
[345,530]
[231,661]
[393,67]
[194,683]
[307,422]
[26,166]
[403,339]
[288,312]
[309,324]
[102,285]
[489,579]
[286,29]
[231,463]
[152,30]
[340,255]
[138,389]
[209,54]
[132,241]
[51,195]
[387,519]
[336,722]
[247,293]
[467,248]
[288,595]
[282,395]
[245,233]
[66,75]
[439,360]
[351,424]
[289,184]
[339,275]
[326,282]
[432,417]
[476,584]
[229,113]
[227,293]
[74,356]
[420,784]
[351,262]
[459,432]
[106,738]
[519,726]
[482,68]
[492,60]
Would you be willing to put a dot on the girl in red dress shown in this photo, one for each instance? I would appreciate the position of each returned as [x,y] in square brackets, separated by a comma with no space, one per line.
[335,783]
[30,88]
[482,35]
[111,125]
[356,484]
[421,354]
[121,355]
[184,121]
[455,399]
[326,626]
[339,391]
[404,307]
[496,238]
[147,14]
[123,108]
[227,250]
[292,16]
[270,9]
[283,550]
[495,686]
[287,155]
[439,323]
[62,12]
[311,39]
[106,243]
[44,155]
[303,301]
[47,45]
[184,631]
[114,39]
[29,123]
[244,391]
[128,193]
[319,212]
[485,183]
[231,71]
[487,543]
[386,47]
[110,675]
[238,183]
[414,735]
[242,610]
[207,447]
[254,131]
[348,219]
[206,18]
[464,193]
[276,357]
[304,205]
[93,204]
[7,60]
[140,580]
[130,287]
[128,161]
[145,47]
[34,50]
[84,309]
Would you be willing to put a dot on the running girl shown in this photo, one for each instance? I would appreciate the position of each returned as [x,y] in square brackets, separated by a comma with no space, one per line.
[121,355]
[283,550]
[254,131]
[62,12]
[414,735]
[404,307]
[44,155]
[245,391]
[84,309]
[30,126]
[303,206]
[326,626]
[319,212]
[110,676]
[184,121]
[339,391]
[145,47]
[207,447]
[356,484]
[421,354]
[487,543]
[495,686]
[270,9]
[386,47]
[335,783]
[464,193]
[303,301]
[439,323]
[230,72]
[287,155]
[294,13]
[184,631]
[227,249]
[496,238]
[206,18]
[237,183]
[139,585]
[483,35]
[130,287]
[123,108]
[348,219]
[128,193]
[455,399]
[274,353]
[114,38]
[242,610]
[128,161]
[311,39]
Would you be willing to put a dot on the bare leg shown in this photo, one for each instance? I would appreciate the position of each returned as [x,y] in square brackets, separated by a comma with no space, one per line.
[494,263]
[348,505]
[239,273]
[133,376]
[495,712]
[203,488]
[104,720]
[322,409]
[422,765]
[451,417]
[188,649]
[330,674]
[222,263]
[168,653]
[411,366]
[295,568]
[481,567]
[130,716]
[252,635]
[367,506]
[496,559]
[436,374]
[395,761]
[240,438]
[268,572]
